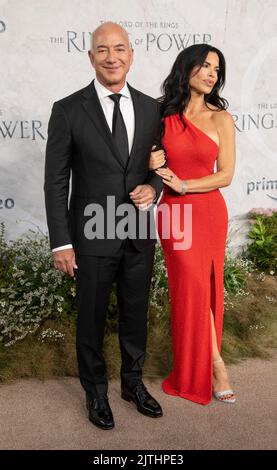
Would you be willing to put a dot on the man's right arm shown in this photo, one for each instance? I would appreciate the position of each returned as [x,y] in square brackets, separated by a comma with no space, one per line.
[57,176]
[56,187]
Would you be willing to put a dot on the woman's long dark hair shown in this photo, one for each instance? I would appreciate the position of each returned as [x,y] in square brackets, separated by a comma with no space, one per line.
[176,89]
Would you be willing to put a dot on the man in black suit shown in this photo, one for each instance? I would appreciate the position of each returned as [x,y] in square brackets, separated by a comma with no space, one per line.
[101,137]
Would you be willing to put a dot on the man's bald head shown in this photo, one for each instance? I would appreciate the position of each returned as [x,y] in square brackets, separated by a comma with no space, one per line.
[111,55]
[109,27]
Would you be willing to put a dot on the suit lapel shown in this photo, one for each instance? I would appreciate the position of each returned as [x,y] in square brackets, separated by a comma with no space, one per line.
[94,110]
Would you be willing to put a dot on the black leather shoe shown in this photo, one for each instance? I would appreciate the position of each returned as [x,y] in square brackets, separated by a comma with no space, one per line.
[100,412]
[145,403]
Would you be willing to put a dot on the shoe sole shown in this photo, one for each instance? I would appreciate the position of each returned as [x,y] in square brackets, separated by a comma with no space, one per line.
[127,398]
[99,425]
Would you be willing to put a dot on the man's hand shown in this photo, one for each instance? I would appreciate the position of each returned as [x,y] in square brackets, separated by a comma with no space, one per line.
[64,260]
[143,196]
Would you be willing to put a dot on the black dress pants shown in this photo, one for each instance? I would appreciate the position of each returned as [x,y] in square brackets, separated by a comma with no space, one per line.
[132,271]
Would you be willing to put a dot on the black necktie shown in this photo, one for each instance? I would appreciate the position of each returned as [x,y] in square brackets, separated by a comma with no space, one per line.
[119,129]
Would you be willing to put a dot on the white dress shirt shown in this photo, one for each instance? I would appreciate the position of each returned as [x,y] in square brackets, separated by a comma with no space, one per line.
[128,113]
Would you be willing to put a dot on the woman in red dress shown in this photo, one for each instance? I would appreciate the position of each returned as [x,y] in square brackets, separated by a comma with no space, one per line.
[199,141]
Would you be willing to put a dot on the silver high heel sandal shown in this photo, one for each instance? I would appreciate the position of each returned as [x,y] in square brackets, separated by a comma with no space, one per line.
[222,396]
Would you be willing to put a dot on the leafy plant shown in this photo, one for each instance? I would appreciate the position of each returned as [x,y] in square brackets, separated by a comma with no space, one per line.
[235,275]
[262,249]
[30,289]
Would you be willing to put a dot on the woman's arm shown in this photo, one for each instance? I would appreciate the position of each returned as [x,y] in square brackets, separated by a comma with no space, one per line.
[157,158]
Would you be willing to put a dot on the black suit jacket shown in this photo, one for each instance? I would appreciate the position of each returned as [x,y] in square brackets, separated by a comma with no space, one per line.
[80,145]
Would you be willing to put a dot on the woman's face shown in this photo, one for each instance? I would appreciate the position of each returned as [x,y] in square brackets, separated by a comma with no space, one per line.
[203,79]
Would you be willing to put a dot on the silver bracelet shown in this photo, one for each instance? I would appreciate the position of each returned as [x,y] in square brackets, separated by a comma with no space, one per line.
[184,187]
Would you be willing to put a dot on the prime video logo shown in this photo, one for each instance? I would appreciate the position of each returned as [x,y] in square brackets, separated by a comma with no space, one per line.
[262,185]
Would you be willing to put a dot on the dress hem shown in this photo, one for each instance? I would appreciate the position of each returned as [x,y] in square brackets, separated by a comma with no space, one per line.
[186,396]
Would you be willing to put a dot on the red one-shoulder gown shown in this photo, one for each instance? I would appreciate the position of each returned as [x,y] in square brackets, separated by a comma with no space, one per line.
[195,272]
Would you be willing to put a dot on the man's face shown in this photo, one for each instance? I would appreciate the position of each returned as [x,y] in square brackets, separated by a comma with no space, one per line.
[111,56]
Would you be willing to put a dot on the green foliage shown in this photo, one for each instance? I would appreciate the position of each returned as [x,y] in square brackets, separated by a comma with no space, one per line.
[159,287]
[30,289]
[262,249]
[236,271]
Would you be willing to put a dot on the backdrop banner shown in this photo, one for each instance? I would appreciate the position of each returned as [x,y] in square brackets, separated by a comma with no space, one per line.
[43,50]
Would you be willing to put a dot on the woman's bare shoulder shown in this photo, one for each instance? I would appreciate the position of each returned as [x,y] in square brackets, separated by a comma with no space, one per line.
[222,118]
